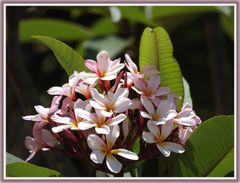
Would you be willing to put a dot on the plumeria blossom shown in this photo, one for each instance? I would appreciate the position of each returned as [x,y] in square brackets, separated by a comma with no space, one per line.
[43,113]
[104,150]
[159,116]
[112,102]
[104,111]
[158,137]
[149,88]
[71,122]
[34,145]
[103,68]
[100,122]
[67,89]
[187,117]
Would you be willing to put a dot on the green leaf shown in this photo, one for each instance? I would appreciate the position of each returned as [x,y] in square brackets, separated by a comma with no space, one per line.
[69,59]
[156,49]
[58,29]
[104,27]
[136,146]
[22,169]
[209,150]
[10,158]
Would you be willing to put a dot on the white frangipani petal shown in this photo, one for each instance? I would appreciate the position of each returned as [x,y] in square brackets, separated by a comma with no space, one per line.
[60,128]
[97,156]
[104,129]
[113,164]
[174,147]
[166,152]
[149,137]
[125,153]
[95,142]
[117,119]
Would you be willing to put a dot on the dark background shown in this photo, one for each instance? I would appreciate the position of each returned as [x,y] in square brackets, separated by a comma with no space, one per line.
[203,44]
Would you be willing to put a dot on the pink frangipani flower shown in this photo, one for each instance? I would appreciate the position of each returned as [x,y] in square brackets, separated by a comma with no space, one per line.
[149,88]
[131,66]
[72,121]
[104,150]
[34,146]
[99,121]
[157,137]
[159,116]
[103,68]
[187,117]
[43,113]
[112,102]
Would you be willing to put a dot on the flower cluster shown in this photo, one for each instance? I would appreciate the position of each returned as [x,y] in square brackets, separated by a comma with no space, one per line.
[99,115]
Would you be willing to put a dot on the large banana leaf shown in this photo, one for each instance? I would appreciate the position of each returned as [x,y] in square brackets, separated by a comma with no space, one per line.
[209,150]
[156,49]
[69,59]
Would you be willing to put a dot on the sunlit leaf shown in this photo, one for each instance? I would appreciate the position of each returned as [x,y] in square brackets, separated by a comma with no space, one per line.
[10,158]
[209,150]
[156,49]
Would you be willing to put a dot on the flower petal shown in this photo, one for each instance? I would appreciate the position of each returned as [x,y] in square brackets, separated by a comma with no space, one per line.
[31,155]
[36,117]
[102,61]
[166,152]
[125,153]
[104,129]
[85,125]
[122,105]
[130,64]
[153,129]
[113,135]
[148,105]
[109,77]
[113,164]
[174,147]
[120,93]
[97,156]
[95,142]
[56,90]
[91,64]
[149,137]
[117,119]
[106,113]
[145,115]
[60,128]
[166,129]
[97,96]
[30,143]
[48,138]
[162,91]
[42,110]
[84,114]
[62,120]
[153,82]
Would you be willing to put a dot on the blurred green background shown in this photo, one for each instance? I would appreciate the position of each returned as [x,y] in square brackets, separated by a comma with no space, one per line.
[203,43]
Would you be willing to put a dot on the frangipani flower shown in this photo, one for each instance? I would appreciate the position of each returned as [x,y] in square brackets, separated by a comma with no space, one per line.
[187,117]
[34,145]
[100,122]
[43,112]
[184,133]
[103,68]
[149,88]
[157,137]
[101,149]
[159,116]
[112,102]
[150,70]
[67,89]
[71,122]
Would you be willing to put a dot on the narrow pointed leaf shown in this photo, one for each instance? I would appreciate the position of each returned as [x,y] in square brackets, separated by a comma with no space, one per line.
[69,59]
